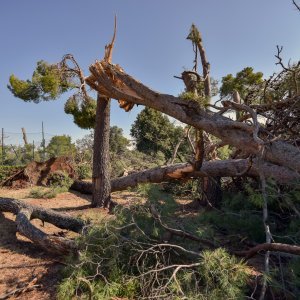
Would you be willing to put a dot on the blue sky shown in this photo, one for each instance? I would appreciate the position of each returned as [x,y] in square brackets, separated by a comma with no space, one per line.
[150,45]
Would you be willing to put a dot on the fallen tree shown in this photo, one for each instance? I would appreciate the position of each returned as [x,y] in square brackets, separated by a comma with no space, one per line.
[39,173]
[113,82]
[217,168]
[26,212]
[278,247]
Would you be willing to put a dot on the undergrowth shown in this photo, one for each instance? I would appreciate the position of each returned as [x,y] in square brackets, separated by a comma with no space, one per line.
[59,182]
[126,257]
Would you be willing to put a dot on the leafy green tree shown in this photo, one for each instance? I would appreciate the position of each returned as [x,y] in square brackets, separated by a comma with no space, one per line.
[154,133]
[246,82]
[118,143]
[61,145]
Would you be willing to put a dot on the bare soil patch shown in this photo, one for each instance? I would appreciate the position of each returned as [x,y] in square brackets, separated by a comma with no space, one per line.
[22,264]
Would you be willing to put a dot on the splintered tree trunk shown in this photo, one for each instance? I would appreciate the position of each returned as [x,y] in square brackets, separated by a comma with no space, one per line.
[101,161]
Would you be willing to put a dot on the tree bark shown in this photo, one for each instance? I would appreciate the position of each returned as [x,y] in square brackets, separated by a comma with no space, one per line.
[217,168]
[52,244]
[101,160]
[210,192]
[286,248]
[113,82]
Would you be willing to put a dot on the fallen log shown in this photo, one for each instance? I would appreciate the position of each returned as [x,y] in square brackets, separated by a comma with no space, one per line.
[26,212]
[111,81]
[278,247]
[217,168]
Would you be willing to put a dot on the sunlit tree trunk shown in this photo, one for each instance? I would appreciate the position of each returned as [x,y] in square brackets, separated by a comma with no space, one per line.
[101,161]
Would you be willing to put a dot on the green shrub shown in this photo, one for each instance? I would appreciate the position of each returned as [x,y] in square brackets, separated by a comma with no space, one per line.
[84,171]
[7,171]
[223,276]
[60,180]
[44,193]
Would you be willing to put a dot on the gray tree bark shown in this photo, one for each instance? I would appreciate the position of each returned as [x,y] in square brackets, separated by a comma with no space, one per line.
[101,160]
[52,244]
[113,82]
[217,168]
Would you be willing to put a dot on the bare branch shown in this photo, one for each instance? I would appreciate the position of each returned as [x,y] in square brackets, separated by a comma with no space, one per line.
[296,5]
[286,248]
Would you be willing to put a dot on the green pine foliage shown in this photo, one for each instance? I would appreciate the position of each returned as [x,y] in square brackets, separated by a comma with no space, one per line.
[83,111]
[47,83]
[112,264]
[223,276]
[203,101]
[247,82]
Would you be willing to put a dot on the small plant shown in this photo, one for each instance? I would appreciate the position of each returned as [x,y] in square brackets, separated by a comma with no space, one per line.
[7,171]
[203,101]
[84,171]
[60,180]
[223,276]
[43,193]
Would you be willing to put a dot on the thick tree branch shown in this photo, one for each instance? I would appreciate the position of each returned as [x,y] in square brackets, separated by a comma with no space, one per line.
[112,81]
[286,248]
[52,244]
[217,168]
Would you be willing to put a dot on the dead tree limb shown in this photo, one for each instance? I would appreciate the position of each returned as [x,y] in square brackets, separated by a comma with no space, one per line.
[113,82]
[296,5]
[286,248]
[178,232]
[52,244]
[217,168]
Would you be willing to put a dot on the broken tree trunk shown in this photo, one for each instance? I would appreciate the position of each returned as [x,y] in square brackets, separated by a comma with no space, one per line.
[101,160]
[113,82]
[217,168]
[52,244]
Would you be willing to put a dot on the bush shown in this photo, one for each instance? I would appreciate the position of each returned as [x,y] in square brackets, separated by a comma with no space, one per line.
[7,171]
[223,276]
[44,193]
[84,171]
[60,180]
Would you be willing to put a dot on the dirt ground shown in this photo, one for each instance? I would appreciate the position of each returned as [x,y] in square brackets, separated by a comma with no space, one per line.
[21,262]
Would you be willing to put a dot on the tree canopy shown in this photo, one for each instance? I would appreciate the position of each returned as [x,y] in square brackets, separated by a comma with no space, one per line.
[61,145]
[246,82]
[154,132]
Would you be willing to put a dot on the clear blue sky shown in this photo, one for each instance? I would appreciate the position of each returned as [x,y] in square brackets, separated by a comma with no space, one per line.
[150,45]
